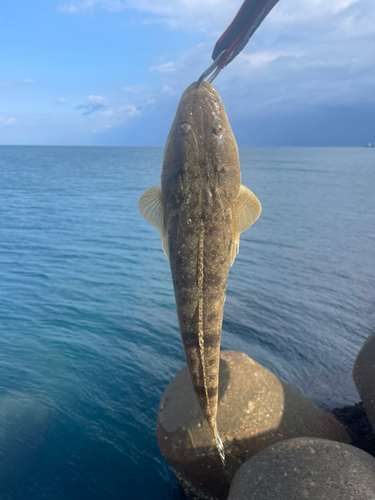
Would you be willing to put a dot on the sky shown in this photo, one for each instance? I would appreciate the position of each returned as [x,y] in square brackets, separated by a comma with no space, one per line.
[111,72]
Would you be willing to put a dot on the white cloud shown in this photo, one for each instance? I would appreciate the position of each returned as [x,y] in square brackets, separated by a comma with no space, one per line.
[13,83]
[5,121]
[259,59]
[311,53]
[169,67]
[168,90]
[89,6]
[95,103]
[132,110]
[213,16]
[190,15]
[97,99]
[103,114]
[307,53]
[132,90]
[60,100]
[120,110]
[209,16]
[308,11]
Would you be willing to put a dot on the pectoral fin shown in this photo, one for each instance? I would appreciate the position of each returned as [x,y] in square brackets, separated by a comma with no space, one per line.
[245,211]
[151,207]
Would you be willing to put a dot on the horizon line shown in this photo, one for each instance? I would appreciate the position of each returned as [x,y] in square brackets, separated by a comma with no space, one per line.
[157,146]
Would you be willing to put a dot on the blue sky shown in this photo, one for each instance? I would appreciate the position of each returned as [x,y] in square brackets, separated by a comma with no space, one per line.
[110,72]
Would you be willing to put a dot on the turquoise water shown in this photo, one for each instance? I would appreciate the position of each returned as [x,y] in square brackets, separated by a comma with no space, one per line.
[89,336]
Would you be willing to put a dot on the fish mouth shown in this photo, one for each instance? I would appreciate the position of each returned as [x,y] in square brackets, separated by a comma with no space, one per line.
[203,88]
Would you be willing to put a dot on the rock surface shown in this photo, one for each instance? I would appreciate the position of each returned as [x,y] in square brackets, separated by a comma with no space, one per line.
[364,377]
[255,410]
[355,420]
[316,469]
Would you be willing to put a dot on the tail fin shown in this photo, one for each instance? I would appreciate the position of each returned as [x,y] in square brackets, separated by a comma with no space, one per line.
[219,444]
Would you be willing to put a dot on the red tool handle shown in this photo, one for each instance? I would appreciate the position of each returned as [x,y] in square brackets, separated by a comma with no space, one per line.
[241,29]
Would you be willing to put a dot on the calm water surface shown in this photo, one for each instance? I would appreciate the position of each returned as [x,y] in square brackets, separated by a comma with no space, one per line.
[89,335]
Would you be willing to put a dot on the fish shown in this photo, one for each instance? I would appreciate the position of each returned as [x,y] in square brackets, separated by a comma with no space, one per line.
[200,209]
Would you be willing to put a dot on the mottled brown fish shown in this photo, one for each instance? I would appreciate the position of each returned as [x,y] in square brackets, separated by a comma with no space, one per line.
[200,210]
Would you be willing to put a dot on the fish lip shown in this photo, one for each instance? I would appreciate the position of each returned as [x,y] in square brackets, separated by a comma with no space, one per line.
[204,88]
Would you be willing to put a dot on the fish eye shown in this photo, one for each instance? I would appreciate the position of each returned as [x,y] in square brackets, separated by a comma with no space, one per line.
[216,129]
[185,128]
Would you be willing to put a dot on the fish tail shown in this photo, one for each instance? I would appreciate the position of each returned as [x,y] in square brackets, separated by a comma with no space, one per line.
[219,443]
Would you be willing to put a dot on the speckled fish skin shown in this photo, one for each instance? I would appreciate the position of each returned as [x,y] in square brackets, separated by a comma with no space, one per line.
[202,215]
[200,181]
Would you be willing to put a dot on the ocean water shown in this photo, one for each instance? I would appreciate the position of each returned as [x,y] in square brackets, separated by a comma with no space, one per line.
[89,336]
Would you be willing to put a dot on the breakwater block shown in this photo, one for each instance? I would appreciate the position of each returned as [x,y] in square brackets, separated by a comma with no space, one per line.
[300,468]
[255,410]
[364,377]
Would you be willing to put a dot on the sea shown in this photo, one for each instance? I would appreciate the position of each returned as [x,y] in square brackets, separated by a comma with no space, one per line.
[89,337]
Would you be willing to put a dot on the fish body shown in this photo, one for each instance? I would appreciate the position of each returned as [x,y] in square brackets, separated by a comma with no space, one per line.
[200,210]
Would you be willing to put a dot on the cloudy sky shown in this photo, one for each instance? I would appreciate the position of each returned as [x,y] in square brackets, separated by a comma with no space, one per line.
[110,72]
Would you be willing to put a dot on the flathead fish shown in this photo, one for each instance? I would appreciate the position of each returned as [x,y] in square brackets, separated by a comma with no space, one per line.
[201,209]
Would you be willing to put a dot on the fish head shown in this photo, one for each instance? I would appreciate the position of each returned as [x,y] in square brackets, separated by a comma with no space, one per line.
[201,155]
